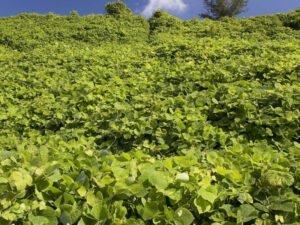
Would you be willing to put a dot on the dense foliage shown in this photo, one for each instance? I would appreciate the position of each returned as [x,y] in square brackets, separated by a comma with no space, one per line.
[216,9]
[113,119]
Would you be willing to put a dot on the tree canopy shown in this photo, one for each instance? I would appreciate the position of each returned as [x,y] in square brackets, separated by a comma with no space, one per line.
[215,9]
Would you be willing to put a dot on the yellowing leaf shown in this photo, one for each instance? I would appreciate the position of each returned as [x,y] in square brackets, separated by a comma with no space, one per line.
[20,179]
[81,191]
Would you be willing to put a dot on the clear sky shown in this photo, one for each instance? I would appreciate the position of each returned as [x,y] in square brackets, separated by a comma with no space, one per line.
[181,8]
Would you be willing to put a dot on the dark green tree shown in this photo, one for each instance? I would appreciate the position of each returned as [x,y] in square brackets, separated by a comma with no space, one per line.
[117,8]
[215,9]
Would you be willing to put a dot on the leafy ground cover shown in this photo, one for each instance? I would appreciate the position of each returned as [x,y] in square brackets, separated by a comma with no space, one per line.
[113,119]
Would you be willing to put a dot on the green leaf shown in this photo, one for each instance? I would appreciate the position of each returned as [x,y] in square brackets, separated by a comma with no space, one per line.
[183,217]
[65,218]
[119,210]
[246,213]
[173,193]
[20,179]
[169,213]
[93,199]
[214,159]
[81,191]
[278,179]
[149,211]
[210,193]
[38,220]
[202,205]
[9,216]
[185,161]
[230,210]
[3,180]
[245,198]
[81,222]
[99,212]
[159,179]
[283,206]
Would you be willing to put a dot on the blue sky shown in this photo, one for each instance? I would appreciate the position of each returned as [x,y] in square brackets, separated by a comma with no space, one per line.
[181,8]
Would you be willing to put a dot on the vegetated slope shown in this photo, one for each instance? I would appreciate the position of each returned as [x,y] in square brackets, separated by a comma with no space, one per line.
[113,119]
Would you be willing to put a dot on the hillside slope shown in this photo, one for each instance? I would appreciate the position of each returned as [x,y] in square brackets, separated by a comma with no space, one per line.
[113,119]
